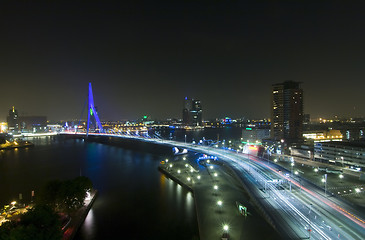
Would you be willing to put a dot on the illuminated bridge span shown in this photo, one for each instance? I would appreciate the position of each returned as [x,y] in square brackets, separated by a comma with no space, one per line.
[92,113]
[304,213]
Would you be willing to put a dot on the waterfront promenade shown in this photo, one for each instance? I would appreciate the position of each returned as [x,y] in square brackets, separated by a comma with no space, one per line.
[217,196]
[79,217]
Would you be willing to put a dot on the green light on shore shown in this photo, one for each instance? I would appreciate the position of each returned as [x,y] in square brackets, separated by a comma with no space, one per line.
[145,117]
[249,129]
[91,111]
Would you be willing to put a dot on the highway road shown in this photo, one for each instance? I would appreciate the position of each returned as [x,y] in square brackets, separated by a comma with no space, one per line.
[298,209]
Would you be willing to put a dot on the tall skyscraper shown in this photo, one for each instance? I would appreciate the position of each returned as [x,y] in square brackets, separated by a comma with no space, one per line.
[287,112]
[12,120]
[192,112]
[196,113]
[186,111]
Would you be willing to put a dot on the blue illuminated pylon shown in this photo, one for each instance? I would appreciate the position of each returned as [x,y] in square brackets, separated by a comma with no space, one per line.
[92,112]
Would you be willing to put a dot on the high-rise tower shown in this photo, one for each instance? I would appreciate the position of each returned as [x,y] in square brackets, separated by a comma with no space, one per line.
[287,112]
[192,112]
[12,119]
[196,113]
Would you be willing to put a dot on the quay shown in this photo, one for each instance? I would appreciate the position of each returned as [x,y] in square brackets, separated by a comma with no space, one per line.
[79,217]
[217,193]
[12,145]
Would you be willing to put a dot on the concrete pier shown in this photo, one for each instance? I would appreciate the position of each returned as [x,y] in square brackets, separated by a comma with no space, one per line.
[79,217]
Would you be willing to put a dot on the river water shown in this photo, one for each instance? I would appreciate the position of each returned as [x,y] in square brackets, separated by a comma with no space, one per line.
[135,200]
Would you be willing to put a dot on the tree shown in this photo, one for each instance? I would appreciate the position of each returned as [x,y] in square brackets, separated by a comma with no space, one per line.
[66,196]
[40,222]
[51,194]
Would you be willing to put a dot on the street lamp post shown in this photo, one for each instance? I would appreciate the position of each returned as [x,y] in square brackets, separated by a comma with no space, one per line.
[341,177]
[324,180]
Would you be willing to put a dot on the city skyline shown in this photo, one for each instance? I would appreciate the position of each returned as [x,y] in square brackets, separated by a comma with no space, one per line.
[144,59]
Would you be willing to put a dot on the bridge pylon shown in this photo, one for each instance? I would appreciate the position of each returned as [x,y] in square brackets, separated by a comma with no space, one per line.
[92,113]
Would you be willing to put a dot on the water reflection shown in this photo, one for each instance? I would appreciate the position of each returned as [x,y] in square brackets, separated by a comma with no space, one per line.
[178,195]
[163,183]
[88,227]
[189,203]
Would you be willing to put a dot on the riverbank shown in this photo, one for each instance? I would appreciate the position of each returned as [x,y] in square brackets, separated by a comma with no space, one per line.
[79,217]
[12,145]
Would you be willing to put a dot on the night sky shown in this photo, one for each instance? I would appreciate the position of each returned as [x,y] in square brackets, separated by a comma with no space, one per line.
[145,57]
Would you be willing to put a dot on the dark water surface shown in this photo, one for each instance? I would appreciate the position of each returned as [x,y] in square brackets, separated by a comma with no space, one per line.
[135,200]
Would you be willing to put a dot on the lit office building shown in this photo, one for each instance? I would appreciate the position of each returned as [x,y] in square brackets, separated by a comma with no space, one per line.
[12,120]
[346,154]
[287,112]
[32,123]
[18,123]
[192,112]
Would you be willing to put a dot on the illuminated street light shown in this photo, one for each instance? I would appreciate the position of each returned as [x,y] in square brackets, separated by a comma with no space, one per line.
[191,170]
[316,169]
[198,176]
[178,171]
[208,161]
[215,174]
[188,179]
[186,165]
[170,165]
[357,190]
[275,160]
[219,203]
[215,187]
[225,227]
[340,176]
[296,173]
[211,167]
[184,158]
